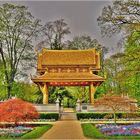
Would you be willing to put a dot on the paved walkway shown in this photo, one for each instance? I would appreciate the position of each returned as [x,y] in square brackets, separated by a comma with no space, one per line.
[67,128]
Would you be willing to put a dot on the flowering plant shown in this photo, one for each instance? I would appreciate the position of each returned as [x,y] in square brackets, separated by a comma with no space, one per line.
[119,129]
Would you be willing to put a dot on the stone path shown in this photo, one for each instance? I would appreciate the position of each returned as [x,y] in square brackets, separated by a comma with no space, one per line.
[67,128]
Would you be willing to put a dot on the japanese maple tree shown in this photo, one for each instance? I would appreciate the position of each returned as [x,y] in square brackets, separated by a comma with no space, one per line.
[116,104]
[17,110]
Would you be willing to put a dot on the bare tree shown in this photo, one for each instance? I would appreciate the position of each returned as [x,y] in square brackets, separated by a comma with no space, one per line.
[54,33]
[83,42]
[17,29]
[121,16]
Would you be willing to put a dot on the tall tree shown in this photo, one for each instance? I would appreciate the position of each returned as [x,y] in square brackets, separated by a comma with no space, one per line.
[79,92]
[26,91]
[17,29]
[121,16]
[131,68]
[53,34]
[83,42]
[60,93]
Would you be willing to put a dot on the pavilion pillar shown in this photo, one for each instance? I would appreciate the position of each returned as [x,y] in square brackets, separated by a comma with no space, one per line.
[44,89]
[92,90]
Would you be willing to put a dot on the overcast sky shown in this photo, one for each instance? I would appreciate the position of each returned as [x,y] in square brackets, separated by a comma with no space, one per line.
[81,16]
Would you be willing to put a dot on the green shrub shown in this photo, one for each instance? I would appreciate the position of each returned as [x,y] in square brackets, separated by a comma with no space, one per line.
[49,116]
[37,132]
[101,115]
[91,115]
[128,115]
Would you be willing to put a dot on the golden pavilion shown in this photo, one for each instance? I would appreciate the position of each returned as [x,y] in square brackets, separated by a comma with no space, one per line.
[68,68]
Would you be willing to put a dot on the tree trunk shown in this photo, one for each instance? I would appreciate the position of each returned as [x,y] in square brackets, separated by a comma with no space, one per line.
[68,103]
[8,91]
[10,84]
[60,101]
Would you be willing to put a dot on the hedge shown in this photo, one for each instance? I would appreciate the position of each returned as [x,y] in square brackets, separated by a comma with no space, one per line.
[49,115]
[101,115]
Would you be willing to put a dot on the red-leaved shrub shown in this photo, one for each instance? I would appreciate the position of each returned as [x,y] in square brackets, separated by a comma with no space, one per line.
[17,110]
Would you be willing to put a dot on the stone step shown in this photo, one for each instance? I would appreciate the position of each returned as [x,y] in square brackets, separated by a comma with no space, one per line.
[68,116]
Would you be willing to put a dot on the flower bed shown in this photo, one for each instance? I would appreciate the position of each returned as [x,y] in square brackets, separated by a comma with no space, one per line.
[119,129]
[15,131]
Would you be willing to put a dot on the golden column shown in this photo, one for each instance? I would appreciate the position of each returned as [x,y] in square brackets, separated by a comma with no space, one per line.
[92,90]
[44,89]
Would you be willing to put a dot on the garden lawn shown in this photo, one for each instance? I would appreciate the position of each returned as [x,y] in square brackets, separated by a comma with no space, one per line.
[37,132]
[91,131]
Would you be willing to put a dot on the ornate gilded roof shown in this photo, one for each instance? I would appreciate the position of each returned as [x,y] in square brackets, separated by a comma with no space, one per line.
[67,57]
[67,77]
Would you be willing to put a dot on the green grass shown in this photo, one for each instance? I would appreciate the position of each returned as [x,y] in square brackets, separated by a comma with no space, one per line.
[37,132]
[91,131]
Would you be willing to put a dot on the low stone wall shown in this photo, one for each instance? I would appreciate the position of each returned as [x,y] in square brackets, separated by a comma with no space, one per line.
[91,108]
[46,108]
[86,107]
